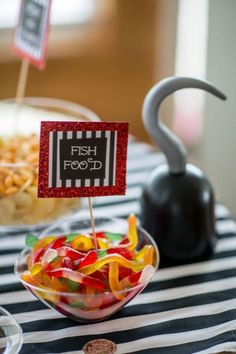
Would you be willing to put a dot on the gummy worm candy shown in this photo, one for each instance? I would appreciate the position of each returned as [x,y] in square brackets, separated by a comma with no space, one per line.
[124,272]
[131,280]
[67,263]
[89,258]
[135,266]
[35,257]
[49,256]
[146,253]
[82,242]
[66,251]
[103,274]
[103,243]
[132,232]
[43,242]
[77,277]
[114,280]
[58,242]
[120,250]
[132,240]
[36,269]
[39,249]
[29,278]
[149,254]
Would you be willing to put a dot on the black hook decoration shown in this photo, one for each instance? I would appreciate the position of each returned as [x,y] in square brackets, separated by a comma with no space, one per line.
[177,203]
[171,146]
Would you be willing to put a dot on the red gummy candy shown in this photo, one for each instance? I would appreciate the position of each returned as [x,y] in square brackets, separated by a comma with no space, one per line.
[122,251]
[89,258]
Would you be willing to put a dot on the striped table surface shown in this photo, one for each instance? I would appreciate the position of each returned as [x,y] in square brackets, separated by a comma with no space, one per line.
[185,309]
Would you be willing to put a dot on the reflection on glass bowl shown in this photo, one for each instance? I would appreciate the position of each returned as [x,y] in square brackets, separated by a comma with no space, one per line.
[11,337]
[87,306]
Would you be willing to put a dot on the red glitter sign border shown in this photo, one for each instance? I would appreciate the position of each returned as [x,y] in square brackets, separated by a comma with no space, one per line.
[73,192]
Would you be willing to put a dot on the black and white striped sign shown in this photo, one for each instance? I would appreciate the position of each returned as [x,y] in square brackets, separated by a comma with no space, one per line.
[75,157]
[32,31]
[82,160]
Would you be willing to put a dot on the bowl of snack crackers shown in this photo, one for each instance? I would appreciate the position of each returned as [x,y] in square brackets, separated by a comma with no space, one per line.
[20,206]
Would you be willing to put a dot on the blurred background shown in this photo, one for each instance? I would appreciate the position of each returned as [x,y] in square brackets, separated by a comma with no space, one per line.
[106,55]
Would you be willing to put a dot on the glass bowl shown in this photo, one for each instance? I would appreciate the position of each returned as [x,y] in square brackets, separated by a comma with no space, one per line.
[89,307]
[20,208]
[11,337]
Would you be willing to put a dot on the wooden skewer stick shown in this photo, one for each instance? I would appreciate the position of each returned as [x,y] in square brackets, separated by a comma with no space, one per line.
[20,91]
[21,86]
[92,222]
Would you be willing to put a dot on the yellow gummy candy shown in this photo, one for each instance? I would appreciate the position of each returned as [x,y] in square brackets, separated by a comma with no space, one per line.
[135,266]
[36,269]
[82,242]
[114,280]
[132,232]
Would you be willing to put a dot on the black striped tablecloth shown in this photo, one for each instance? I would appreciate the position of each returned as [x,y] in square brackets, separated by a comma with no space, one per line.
[185,309]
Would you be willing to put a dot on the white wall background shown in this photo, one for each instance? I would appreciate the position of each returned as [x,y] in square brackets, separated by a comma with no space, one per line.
[217,150]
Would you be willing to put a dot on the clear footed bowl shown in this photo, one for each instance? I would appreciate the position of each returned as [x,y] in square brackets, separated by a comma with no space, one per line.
[20,208]
[87,306]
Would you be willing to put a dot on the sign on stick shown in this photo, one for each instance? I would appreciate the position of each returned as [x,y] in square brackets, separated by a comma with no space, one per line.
[82,159]
[31,33]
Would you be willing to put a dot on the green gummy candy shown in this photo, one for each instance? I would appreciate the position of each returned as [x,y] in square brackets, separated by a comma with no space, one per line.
[77,304]
[71,236]
[31,240]
[112,236]
[72,285]
[102,253]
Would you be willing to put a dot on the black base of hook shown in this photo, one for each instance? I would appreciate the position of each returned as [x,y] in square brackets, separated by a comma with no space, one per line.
[178,212]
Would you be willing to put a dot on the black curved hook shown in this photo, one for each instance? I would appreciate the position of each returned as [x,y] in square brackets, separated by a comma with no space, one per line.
[171,146]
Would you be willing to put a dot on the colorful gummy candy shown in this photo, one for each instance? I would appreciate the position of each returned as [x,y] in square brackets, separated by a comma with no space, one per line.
[71,263]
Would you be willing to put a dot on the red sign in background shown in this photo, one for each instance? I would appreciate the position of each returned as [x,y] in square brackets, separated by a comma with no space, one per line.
[31,33]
